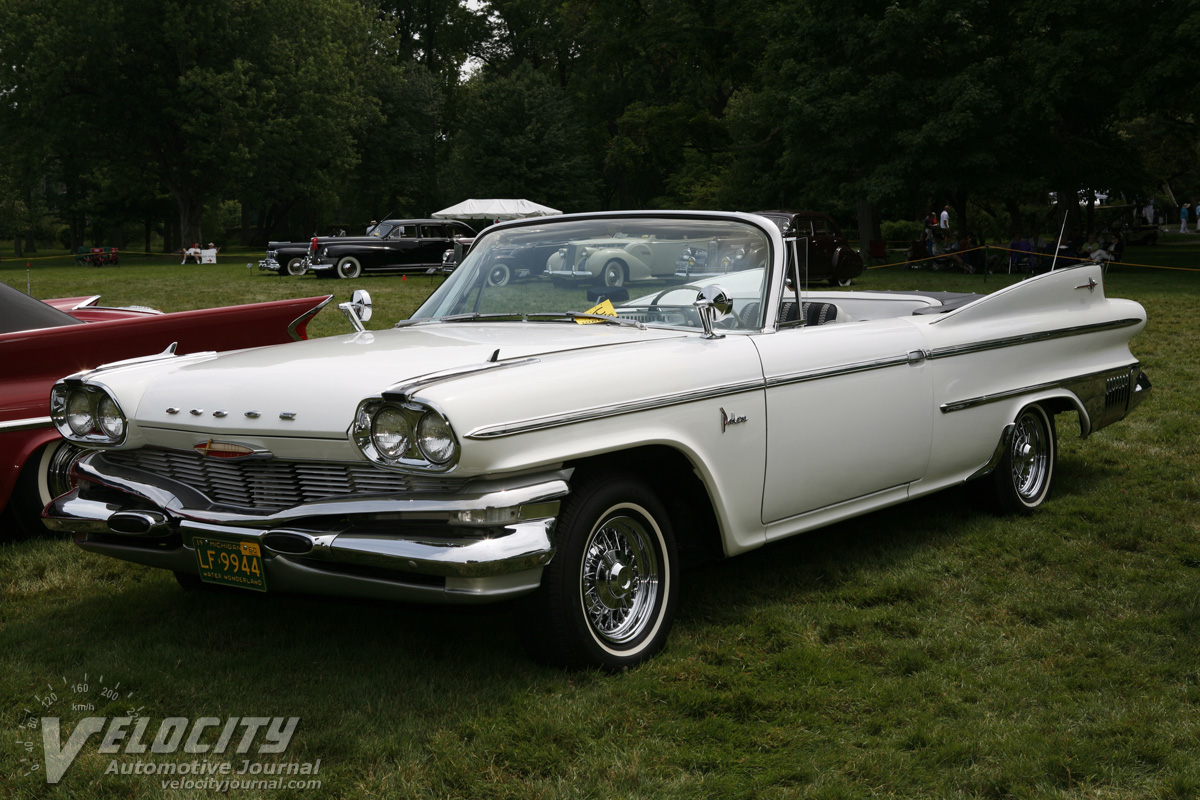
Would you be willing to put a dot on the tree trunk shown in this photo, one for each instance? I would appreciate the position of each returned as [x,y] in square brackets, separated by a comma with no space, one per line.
[868,228]
[1015,223]
[191,209]
[246,235]
[959,229]
[17,246]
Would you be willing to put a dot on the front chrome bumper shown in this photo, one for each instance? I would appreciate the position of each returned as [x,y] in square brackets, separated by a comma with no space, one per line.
[487,542]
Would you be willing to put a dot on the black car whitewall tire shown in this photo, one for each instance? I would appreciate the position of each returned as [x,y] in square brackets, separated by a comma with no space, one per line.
[1024,475]
[607,598]
[348,267]
[498,275]
[295,266]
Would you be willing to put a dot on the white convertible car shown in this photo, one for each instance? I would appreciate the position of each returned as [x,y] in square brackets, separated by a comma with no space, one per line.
[570,448]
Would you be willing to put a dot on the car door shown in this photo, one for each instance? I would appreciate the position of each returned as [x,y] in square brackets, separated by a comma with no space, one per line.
[849,413]
[433,243]
[399,247]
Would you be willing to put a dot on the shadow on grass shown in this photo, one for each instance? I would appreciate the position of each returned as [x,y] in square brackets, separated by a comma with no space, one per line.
[422,665]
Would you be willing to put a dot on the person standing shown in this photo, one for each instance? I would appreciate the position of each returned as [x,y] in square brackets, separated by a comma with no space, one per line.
[1183,217]
[944,222]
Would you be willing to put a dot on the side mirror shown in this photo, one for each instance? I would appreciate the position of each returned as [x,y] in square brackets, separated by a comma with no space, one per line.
[713,304]
[358,310]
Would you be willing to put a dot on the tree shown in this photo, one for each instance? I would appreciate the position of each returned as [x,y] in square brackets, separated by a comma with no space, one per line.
[515,140]
[203,96]
[913,105]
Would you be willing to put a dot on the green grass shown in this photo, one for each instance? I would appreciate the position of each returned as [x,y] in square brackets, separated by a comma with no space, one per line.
[924,651]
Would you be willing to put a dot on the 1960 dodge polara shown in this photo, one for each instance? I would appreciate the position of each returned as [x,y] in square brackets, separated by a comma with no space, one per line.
[571,447]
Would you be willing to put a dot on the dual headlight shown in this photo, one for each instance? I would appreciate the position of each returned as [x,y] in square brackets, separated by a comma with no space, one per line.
[87,413]
[404,434]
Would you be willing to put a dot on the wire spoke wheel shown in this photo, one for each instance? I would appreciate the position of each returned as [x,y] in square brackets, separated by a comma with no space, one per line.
[607,599]
[1022,479]
[619,579]
[1029,456]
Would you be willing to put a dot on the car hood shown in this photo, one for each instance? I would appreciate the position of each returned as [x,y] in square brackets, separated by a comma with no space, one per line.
[312,388]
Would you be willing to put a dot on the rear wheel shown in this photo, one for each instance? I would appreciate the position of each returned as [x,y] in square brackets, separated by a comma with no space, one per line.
[349,267]
[608,597]
[1022,479]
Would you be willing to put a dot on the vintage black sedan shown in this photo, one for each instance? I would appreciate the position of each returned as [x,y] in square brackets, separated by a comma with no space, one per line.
[395,245]
[292,258]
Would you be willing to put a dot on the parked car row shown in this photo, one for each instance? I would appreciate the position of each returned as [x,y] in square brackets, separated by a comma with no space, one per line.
[391,246]
[570,446]
[613,259]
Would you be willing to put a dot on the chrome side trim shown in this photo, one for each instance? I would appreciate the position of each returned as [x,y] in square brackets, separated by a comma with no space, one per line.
[997,454]
[169,352]
[617,409]
[403,391]
[1061,383]
[32,423]
[914,358]
[305,317]
[1027,338]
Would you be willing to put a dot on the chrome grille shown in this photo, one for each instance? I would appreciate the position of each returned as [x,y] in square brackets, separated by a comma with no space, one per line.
[273,484]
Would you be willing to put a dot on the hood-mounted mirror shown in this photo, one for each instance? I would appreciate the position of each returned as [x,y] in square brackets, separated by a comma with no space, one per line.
[713,304]
[358,310]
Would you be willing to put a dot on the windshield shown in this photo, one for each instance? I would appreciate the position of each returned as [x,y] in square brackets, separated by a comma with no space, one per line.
[382,229]
[632,270]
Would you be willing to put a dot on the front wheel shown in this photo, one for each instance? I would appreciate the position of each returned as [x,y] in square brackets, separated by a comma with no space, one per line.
[614,274]
[45,476]
[608,597]
[498,274]
[1022,479]
[296,266]
[349,267]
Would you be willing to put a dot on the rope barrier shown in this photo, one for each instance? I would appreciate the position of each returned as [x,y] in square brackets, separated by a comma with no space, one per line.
[1028,254]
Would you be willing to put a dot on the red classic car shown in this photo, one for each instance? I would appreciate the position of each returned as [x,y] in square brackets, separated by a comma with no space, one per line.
[42,342]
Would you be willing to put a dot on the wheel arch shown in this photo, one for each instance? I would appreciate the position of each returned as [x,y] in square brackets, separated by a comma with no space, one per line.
[1064,404]
[1054,404]
[674,479]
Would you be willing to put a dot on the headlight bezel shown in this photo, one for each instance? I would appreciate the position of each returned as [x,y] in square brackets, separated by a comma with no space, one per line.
[414,456]
[71,400]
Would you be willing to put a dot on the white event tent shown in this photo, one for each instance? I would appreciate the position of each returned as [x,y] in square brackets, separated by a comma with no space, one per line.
[494,210]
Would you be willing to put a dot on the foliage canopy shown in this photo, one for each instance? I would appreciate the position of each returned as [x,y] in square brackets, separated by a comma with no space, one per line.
[328,113]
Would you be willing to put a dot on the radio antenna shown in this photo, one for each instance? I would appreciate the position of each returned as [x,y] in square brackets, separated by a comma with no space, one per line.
[1058,246]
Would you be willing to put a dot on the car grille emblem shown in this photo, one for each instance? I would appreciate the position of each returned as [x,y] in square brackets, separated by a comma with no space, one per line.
[215,449]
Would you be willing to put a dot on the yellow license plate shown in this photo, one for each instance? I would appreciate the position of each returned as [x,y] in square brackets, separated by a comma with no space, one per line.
[230,563]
